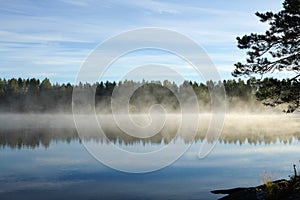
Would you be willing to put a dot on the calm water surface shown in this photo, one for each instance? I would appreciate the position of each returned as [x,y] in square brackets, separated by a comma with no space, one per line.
[39,165]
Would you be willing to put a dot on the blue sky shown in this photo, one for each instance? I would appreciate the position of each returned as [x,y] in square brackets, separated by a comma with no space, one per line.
[53,38]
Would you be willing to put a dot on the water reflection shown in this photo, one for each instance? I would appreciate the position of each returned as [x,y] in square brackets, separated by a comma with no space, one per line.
[17,131]
[67,171]
[42,158]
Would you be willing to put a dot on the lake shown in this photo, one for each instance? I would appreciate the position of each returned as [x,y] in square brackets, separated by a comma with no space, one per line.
[42,157]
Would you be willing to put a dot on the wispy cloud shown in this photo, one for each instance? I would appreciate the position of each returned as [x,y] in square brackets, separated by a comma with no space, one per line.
[60,34]
[76,2]
[13,37]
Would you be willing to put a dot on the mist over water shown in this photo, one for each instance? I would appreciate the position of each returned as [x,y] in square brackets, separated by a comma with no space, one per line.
[238,128]
[253,136]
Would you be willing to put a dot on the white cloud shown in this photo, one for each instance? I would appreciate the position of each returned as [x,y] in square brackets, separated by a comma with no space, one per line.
[6,36]
[76,2]
[62,33]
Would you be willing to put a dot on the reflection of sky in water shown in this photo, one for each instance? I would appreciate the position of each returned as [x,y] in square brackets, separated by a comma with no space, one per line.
[67,171]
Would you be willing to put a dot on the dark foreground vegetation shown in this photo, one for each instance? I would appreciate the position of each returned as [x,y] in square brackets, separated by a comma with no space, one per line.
[270,190]
[33,95]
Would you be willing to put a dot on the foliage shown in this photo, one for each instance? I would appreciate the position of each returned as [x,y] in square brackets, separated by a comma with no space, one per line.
[273,92]
[283,189]
[278,49]
[33,95]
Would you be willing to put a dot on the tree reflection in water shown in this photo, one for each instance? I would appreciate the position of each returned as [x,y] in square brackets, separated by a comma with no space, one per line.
[34,130]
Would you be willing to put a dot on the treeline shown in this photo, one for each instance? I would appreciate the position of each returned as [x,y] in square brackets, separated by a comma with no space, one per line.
[33,95]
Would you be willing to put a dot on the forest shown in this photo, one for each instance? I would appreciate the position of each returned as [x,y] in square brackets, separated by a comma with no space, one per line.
[38,96]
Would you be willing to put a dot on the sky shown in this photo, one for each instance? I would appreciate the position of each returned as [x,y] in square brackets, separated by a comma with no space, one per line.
[54,38]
